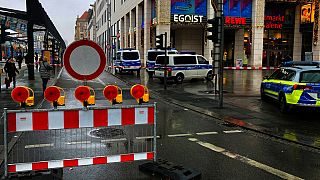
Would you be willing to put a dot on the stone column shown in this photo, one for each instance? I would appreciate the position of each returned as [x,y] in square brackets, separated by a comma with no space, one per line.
[238,45]
[316,45]
[132,28]
[147,24]
[139,15]
[122,35]
[297,42]
[208,44]
[126,30]
[163,18]
[258,8]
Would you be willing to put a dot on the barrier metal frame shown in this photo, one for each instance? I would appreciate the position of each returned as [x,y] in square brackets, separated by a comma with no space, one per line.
[6,112]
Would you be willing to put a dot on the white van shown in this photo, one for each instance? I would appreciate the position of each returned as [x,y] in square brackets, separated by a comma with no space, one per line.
[152,55]
[127,60]
[183,66]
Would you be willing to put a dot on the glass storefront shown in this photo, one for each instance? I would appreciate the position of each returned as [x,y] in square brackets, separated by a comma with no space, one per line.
[278,34]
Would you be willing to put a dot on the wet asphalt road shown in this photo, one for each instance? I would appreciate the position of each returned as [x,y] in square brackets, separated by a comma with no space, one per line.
[188,138]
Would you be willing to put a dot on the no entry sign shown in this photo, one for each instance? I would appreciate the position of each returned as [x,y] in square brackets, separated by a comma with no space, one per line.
[84,60]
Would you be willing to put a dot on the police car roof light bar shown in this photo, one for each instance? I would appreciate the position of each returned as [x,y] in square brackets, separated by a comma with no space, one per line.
[299,63]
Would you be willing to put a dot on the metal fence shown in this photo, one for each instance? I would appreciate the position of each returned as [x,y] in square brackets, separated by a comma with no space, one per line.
[77,137]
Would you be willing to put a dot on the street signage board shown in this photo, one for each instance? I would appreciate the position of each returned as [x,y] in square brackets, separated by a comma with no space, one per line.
[84,60]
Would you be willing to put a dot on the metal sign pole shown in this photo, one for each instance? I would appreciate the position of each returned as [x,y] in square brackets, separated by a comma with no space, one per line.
[165,60]
[5,142]
[155,133]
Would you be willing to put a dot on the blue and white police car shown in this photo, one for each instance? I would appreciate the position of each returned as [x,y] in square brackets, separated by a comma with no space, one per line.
[293,84]
[127,60]
[152,55]
[182,67]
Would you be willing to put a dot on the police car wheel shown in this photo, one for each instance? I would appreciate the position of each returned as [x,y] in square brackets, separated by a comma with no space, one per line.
[209,76]
[284,108]
[179,78]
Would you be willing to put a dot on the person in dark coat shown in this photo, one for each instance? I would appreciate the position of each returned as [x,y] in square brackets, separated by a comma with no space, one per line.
[11,69]
[19,59]
[44,72]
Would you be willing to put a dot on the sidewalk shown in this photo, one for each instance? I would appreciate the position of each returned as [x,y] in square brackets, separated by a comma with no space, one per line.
[7,102]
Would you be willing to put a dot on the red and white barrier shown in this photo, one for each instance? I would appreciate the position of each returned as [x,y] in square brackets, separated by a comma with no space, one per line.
[250,68]
[72,119]
[46,165]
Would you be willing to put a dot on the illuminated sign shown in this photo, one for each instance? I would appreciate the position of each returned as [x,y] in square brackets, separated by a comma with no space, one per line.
[273,22]
[188,7]
[235,20]
[181,18]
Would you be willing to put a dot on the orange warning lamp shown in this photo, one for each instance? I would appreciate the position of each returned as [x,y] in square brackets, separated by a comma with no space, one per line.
[82,94]
[140,93]
[113,94]
[20,95]
[52,94]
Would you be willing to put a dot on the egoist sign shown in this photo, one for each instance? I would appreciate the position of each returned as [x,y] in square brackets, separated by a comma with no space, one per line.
[187,18]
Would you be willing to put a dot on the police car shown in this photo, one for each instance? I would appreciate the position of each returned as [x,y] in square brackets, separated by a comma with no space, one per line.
[152,55]
[183,66]
[293,84]
[127,60]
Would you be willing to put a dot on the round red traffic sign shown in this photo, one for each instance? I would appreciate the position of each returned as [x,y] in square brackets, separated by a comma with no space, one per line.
[20,94]
[110,92]
[52,93]
[84,60]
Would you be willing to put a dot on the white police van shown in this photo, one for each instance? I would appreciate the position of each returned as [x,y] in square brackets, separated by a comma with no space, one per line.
[182,67]
[152,55]
[127,60]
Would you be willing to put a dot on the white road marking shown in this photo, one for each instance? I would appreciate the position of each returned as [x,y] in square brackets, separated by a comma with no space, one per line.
[78,142]
[206,133]
[100,81]
[113,140]
[232,131]
[179,135]
[146,137]
[246,160]
[38,146]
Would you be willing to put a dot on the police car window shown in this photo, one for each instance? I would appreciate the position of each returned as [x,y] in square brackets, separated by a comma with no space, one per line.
[287,74]
[153,55]
[185,60]
[130,55]
[201,60]
[275,74]
[310,77]
[161,60]
[118,56]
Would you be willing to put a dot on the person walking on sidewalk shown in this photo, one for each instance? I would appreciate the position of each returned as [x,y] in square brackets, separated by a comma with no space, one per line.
[11,69]
[44,72]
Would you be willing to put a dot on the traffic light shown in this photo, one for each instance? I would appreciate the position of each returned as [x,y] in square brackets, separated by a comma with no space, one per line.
[4,34]
[159,41]
[213,29]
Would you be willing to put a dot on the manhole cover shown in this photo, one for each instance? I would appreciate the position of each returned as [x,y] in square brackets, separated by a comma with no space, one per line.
[106,133]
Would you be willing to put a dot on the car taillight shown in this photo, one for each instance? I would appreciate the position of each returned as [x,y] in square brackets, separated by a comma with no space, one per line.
[169,69]
[301,87]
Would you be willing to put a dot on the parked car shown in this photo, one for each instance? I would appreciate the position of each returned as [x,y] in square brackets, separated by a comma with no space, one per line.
[294,84]
[152,55]
[182,67]
[127,60]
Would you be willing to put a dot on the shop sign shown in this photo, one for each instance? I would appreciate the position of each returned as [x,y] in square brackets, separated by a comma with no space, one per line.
[273,22]
[181,18]
[235,20]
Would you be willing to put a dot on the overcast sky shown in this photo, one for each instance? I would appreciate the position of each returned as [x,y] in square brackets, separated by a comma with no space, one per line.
[63,13]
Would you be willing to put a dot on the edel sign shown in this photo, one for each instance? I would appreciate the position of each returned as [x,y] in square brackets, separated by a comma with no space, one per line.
[84,60]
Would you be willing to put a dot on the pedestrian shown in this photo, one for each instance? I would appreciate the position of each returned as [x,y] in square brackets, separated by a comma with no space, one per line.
[19,59]
[36,59]
[44,72]
[11,70]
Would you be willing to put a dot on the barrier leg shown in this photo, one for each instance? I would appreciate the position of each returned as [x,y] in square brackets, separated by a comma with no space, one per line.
[5,146]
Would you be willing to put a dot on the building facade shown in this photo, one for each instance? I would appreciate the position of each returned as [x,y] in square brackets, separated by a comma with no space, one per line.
[257,32]
[81,28]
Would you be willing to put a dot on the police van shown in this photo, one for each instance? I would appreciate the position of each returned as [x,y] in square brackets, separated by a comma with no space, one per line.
[127,60]
[152,55]
[183,67]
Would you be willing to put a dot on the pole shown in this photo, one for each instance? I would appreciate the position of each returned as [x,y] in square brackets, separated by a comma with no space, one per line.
[218,49]
[165,60]
[5,143]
